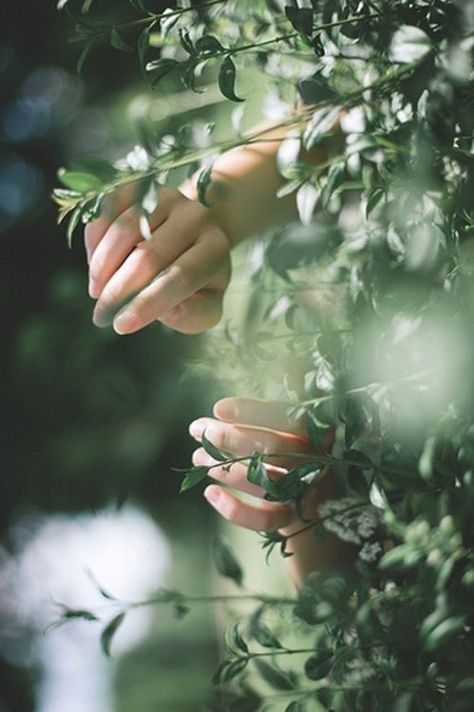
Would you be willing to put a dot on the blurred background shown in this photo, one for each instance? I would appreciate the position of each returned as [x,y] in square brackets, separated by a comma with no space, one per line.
[92,423]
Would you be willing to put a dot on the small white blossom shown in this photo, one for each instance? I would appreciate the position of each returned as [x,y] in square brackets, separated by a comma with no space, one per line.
[370,551]
[138,159]
[348,521]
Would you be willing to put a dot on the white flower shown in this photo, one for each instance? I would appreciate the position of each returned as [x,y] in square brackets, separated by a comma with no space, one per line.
[349,521]
[370,551]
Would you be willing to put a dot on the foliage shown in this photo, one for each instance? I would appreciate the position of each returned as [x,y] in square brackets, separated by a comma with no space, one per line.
[374,297]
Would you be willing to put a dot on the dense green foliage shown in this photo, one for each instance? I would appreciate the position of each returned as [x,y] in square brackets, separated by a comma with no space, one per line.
[371,294]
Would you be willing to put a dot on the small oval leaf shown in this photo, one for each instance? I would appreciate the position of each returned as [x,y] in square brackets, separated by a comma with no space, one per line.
[226,79]
[109,631]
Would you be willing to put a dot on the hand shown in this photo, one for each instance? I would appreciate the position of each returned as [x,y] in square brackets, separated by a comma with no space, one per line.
[178,276]
[243,426]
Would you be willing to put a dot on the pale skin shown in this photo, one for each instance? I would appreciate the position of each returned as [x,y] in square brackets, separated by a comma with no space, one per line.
[242,426]
[179,277]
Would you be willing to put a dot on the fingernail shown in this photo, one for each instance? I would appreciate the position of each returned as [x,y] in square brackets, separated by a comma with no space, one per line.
[212,495]
[94,289]
[102,317]
[226,409]
[196,428]
[125,322]
[213,432]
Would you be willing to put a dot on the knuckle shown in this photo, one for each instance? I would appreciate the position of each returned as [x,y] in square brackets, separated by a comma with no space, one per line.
[146,254]
[232,511]
[219,436]
[97,267]
[123,228]
[198,456]
[218,473]
[91,231]
[267,521]
[111,295]
[182,278]
[272,443]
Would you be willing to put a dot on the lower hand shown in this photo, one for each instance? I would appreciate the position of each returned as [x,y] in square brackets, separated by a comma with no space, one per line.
[243,426]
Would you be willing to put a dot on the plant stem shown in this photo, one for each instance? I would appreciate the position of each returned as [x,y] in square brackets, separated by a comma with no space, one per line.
[255,46]
[154,17]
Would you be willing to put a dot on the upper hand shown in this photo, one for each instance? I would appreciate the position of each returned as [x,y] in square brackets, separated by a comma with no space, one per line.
[178,276]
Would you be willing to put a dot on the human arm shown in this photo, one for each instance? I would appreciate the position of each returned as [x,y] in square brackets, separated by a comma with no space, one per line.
[180,274]
[243,426]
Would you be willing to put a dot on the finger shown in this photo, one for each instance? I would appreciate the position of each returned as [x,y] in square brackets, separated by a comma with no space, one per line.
[235,476]
[243,440]
[143,264]
[199,313]
[264,516]
[188,274]
[122,236]
[125,233]
[111,208]
[267,414]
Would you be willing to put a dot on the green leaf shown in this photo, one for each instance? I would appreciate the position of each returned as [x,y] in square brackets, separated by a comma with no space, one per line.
[109,631]
[262,633]
[143,45]
[300,18]
[226,563]
[358,458]
[117,42]
[306,199]
[74,221]
[394,558]
[213,451]
[81,182]
[71,613]
[248,702]
[257,474]
[316,89]
[295,706]
[322,122]
[334,180]
[139,4]
[203,182]
[319,665]
[84,54]
[193,477]
[276,678]
[409,44]
[373,200]
[234,639]
[425,463]
[229,669]
[159,68]
[317,431]
[226,79]
[186,41]
[358,482]
[444,632]
[167,21]
[208,45]
[98,167]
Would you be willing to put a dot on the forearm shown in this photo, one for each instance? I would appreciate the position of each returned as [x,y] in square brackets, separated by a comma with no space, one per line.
[309,553]
[243,190]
